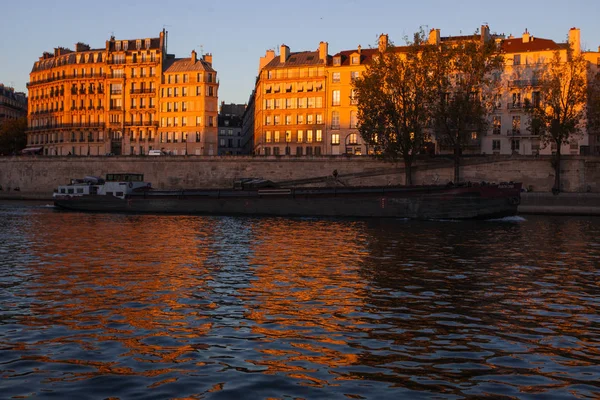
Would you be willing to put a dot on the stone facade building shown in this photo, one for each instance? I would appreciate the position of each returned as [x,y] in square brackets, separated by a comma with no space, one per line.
[230,129]
[127,98]
[13,104]
[304,102]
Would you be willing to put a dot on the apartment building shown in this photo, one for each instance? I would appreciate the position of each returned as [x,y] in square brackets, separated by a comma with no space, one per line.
[304,102]
[230,129]
[108,100]
[290,103]
[510,131]
[13,104]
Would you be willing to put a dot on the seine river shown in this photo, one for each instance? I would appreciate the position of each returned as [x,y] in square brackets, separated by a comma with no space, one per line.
[105,306]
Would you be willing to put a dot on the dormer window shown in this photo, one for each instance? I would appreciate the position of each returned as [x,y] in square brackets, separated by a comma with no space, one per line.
[147,44]
[118,46]
[138,44]
[355,60]
[125,45]
[337,61]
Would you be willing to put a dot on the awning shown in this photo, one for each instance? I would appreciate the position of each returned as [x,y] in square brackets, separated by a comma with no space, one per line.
[31,150]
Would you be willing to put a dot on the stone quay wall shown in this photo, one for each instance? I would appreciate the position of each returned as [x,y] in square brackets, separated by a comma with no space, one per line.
[37,177]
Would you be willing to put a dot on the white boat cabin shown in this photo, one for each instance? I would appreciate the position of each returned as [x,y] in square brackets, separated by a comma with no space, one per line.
[117,185]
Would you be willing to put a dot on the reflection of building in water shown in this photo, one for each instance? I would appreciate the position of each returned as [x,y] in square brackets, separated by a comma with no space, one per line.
[91,281]
[307,291]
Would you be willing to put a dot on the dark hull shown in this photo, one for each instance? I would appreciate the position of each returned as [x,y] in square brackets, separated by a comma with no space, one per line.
[427,202]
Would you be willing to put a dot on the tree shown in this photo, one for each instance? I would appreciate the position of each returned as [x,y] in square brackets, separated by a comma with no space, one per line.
[560,114]
[393,96]
[12,135]
[467,73]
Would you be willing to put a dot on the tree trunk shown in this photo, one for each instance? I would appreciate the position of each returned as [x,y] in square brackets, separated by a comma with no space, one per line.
[408,172]
[456,162]
[556,188]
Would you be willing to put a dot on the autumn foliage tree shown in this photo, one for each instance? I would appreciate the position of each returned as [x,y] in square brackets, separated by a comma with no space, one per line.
[561,113]
[394,97]
[12,136]
[466,73]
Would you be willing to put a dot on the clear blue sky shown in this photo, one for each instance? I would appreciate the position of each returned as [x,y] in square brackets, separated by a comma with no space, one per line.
[238,32]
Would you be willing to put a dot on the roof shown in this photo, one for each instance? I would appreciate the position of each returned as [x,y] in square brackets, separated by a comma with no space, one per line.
[297,59]
[366,55]
[172,65]
[516,45]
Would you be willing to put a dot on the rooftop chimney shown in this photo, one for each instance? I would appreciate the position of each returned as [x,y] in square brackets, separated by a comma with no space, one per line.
[194,57]
[485,33]
[526,36]
[434,37]
[284,53]
[359,49]
[575,40]
[383,42]
[208,58]
[323,50]
[269,55]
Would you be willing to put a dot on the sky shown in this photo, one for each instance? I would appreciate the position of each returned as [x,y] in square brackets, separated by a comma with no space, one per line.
[238,32]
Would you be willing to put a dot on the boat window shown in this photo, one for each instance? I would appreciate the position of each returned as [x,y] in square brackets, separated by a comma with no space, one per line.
[71,191]
[63,190]
[79,190]
[109,193]
[119,194]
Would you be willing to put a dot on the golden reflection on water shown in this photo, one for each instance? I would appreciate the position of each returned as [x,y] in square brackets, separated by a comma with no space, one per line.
[321,302]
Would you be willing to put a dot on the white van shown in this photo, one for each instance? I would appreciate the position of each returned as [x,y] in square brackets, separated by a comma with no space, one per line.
[156,153]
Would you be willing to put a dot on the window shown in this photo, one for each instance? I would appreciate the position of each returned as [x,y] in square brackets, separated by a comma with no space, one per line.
[354,75]
[277,104]
[276,120]
[300,136]
[288,136]
[309,119]
[268,136]
[211,121]
[125,45]
[268,120]
[311,102]
[337,61]
[353,119]
[302,102]
[517,59]
[288,119]
[335,98]
[473,135]
[319,135]
[276,137]
[138,44]
[335,77]
[118,46]
[335,138]
[335,120]
[309,136]
[300,119]
[353,98]
[319,118]
[516,124]
[353,138]
[289,103]
[318,102]
[515,144]
[497,125]
[198,121]
[355,60]
[147,43]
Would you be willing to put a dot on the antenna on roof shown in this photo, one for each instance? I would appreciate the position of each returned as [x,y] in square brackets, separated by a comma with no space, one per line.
[201,49]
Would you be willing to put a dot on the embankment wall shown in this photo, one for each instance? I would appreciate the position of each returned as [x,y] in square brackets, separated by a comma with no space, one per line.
[39,176]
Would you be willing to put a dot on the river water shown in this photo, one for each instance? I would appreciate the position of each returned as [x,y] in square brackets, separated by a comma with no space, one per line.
[186,307]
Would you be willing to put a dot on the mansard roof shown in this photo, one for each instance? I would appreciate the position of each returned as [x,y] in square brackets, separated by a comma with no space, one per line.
[297,59]
[173,65]
[516,45]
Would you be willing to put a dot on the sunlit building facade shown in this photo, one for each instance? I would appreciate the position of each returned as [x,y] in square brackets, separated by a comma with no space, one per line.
[510,130]
[290,103]
[108,101]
